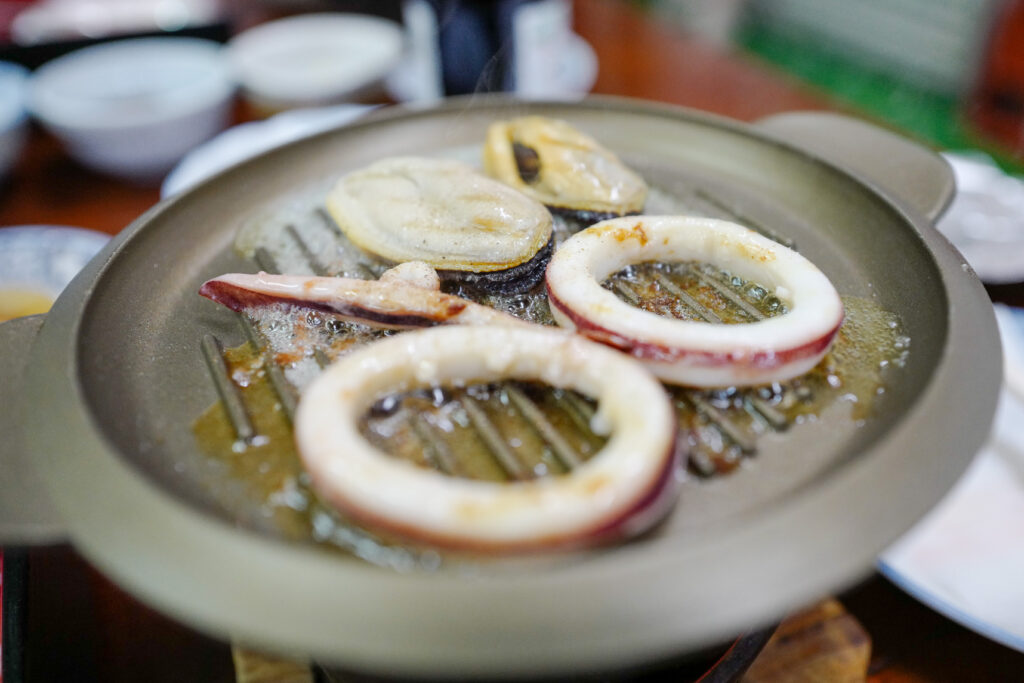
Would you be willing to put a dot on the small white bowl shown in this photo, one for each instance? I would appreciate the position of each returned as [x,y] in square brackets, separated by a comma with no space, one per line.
[133,108]
[314,59]
[13,78]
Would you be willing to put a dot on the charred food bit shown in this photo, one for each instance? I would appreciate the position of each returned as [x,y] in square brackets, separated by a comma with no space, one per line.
[688,352]
[562,168]
[406,296]
[623,490]
[471,228]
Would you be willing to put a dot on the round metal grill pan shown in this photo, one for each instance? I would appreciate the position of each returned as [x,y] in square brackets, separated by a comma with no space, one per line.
[116,378]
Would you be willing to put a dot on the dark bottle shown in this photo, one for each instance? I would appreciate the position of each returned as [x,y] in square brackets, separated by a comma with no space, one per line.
[477,42]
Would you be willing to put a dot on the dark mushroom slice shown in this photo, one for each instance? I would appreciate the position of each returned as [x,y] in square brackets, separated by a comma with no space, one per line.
[467,226]
[566,170]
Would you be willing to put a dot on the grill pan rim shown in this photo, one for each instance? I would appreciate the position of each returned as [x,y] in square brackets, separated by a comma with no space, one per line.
[94,464]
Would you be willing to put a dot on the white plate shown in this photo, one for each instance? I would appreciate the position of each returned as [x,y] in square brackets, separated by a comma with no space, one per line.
[966,558]
[249,139]
[986,218]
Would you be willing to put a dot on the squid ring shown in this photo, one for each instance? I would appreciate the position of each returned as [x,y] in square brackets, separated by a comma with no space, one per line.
[622,490]
[687,352]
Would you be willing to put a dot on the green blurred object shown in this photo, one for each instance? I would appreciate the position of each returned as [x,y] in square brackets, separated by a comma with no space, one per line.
[934,118]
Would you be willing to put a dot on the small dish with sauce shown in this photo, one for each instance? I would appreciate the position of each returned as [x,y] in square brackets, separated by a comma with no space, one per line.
[38,261]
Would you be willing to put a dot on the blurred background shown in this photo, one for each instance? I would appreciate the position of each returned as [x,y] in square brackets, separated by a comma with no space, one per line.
[948,71]
[108,105]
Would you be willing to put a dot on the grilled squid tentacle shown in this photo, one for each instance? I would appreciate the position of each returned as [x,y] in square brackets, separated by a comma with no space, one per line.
[407,296]
[688,352]
[622,490]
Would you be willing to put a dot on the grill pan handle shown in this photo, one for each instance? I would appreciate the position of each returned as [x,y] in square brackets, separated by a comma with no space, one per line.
[26,515]
[903,169]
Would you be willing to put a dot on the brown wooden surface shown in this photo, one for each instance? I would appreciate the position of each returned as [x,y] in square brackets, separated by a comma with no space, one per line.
[47,188]
[822,643]
[81,627]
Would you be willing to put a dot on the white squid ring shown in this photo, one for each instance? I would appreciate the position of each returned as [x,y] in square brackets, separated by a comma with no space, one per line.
[693,353]
[622,490]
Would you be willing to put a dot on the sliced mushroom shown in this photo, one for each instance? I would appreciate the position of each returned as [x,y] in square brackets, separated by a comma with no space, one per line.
[562,168]
[469,227]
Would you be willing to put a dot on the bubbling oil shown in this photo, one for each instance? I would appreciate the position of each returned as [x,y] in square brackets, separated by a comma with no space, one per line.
[431,427]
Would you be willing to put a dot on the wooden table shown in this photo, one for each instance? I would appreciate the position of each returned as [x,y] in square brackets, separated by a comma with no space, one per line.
[81,627]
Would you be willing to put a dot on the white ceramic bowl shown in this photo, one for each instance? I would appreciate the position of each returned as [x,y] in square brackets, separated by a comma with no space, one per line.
[12,114]
[133,108]
[314,59]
